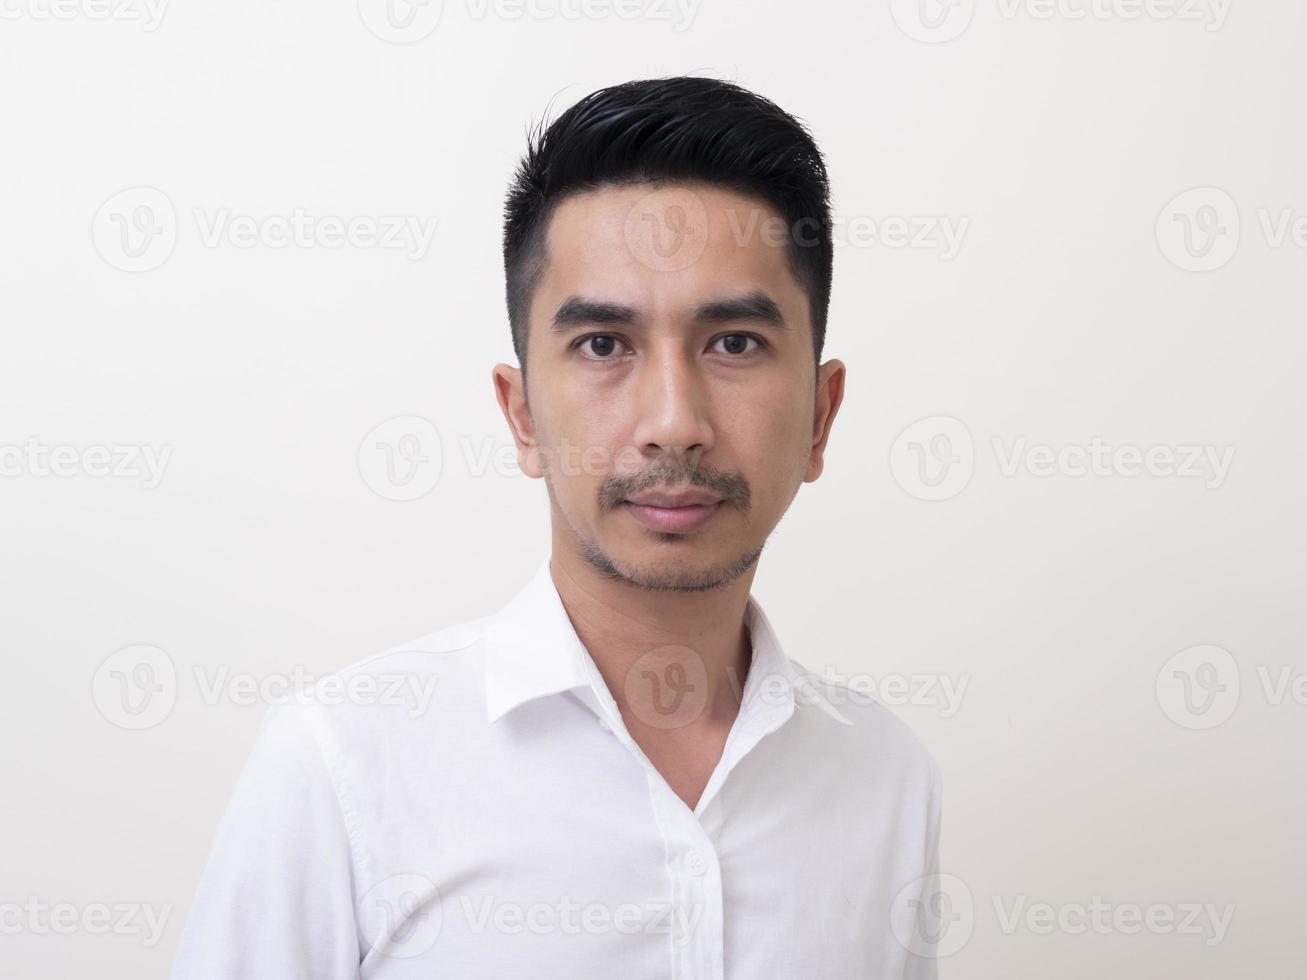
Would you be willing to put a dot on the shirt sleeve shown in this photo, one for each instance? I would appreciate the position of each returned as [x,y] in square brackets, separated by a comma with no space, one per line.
[934,901]
[276,895]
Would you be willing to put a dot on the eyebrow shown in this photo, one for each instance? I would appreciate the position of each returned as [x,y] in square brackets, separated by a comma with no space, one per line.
[757,305]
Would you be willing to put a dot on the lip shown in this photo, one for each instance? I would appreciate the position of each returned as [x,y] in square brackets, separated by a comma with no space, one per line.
[668,499]
[674,519]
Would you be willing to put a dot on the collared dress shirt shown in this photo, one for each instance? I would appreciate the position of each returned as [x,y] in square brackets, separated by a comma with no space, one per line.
[471,805]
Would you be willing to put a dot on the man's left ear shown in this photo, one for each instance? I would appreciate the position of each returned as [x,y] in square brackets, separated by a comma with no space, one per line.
[510,390]
[830,393]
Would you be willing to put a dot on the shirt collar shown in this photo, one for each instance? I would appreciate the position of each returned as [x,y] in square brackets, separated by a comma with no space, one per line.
[532,651]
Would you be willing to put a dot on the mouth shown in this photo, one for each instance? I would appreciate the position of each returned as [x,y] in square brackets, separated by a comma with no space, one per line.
[678,519]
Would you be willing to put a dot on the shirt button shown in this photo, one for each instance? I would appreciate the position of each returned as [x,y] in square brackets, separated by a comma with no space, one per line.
[695,863]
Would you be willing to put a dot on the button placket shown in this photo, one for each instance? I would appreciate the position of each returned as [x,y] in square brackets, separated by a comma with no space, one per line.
[696,935]
[695,863]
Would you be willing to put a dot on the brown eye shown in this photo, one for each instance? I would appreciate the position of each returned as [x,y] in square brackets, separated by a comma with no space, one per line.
[737,343]
[602,345]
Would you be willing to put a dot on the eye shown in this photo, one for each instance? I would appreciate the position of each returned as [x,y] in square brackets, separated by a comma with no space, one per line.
[737,343]
[603,345]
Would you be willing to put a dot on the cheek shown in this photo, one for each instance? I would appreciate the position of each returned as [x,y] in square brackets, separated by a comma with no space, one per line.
[773,417]
[771,449]
[583,442]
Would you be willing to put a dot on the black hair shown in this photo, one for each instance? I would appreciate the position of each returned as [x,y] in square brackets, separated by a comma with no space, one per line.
[683,128]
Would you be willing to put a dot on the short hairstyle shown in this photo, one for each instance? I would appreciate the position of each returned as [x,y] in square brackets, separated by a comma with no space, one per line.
[683,128]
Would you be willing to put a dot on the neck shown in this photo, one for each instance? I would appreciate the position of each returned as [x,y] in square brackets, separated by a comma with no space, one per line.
[619,623]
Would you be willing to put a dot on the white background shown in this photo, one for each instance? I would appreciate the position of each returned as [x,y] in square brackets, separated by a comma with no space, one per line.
[1074,309]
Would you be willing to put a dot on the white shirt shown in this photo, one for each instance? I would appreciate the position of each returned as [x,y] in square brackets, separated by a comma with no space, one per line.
[471,805]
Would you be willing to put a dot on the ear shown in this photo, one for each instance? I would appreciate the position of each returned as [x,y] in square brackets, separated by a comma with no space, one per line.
[830,393]
[510,390]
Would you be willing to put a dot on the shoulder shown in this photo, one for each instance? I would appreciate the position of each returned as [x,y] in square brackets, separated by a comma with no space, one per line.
[866,730]
[455,647]
[424,681]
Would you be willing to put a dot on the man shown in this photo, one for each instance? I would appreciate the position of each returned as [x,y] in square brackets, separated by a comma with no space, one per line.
[620,773]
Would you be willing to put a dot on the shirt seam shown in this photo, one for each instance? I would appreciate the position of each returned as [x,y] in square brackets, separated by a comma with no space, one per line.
[354,833]
[414,647]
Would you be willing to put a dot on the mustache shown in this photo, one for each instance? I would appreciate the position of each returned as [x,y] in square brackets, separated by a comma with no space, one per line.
[733,488]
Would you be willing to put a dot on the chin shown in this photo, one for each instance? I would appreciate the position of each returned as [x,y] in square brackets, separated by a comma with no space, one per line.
[689,569]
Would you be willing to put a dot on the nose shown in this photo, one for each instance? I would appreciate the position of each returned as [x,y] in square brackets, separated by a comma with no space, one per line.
[672,406]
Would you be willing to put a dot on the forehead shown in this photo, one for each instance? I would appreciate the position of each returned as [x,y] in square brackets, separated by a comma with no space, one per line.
[666,247]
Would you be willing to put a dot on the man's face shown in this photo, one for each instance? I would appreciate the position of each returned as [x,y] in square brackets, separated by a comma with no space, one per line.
[671,401]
